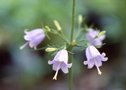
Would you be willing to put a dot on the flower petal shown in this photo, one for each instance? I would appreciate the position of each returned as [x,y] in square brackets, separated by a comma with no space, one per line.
[90,64]
[34,37]
[62,56]
[27,38]
[64,68]
[50,62]
[31,44]
[56,65]
[93,38]
[69,65]
[98,61]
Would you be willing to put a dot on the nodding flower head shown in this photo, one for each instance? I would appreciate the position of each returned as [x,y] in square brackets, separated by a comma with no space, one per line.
[94,58]
[60,61]
[33,38]
[94,39]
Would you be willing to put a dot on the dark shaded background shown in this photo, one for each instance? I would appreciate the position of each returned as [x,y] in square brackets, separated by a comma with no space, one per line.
[28,70]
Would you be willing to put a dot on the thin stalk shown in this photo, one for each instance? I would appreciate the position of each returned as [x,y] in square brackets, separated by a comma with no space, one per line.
[70,70]
[71,47]
[73,20]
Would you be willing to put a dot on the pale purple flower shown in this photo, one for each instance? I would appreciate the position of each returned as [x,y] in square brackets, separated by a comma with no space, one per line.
[94,58]
[33,38]
[60,61]
[93,39]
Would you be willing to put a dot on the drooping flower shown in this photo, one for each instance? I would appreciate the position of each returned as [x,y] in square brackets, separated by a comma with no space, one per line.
[94,39]
[60,61]
[33,38]
[94,58]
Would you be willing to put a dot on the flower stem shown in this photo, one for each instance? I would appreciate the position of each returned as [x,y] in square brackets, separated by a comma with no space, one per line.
[71,46]
[73,20]
[70,70]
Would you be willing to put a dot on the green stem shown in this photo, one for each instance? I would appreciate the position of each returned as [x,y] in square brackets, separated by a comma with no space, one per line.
[73,21]
[71,46]
[70,70]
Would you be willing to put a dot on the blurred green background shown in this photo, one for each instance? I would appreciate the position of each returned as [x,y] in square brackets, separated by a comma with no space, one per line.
[28,69]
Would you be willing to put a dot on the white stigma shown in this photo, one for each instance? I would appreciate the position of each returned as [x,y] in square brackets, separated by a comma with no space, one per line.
[55,76]
[99,72]
[23,46]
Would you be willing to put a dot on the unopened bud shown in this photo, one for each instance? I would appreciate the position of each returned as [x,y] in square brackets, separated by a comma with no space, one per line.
[74,43]
[56,23]
[47,28]
[51,49]
[101,33]
[80,19]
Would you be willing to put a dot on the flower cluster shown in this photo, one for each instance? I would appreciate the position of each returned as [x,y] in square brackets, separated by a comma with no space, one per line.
[94,58]
[64,51]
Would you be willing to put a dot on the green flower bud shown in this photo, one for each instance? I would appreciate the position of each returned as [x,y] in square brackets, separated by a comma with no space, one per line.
[51,49]
[47,28]
[56,23]
[80,19]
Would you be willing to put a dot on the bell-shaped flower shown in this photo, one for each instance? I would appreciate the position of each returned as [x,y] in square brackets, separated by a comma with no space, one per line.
[94,58]
[60,61]
[33,38]
[94,38]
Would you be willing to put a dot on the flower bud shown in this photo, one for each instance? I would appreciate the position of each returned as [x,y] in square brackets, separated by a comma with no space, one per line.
[80,19]
[56,23]
[101,33]
[51,49]
[47,28]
